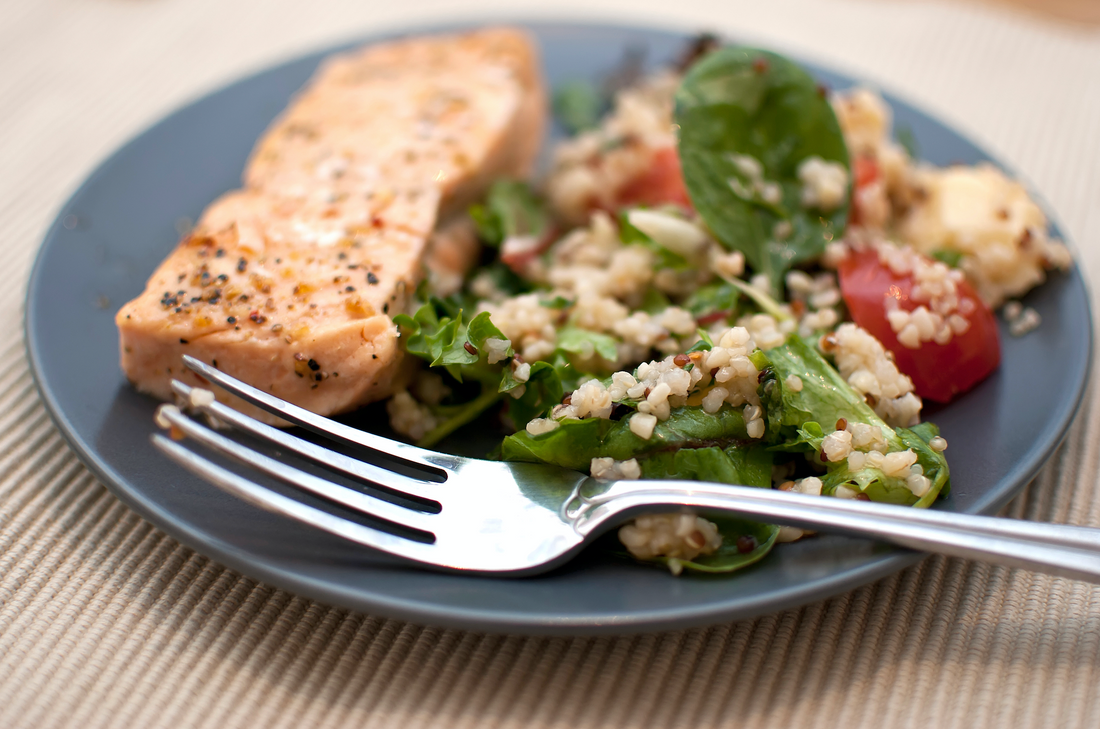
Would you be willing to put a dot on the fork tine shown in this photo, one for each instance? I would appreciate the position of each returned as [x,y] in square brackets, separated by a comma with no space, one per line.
[434,462]
[271,501]
[383,477]
[356,500]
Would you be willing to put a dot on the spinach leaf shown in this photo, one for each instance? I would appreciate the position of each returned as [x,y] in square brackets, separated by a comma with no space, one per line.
[741,101]
[746,465]
[712,300]
[511,209]
[729,557]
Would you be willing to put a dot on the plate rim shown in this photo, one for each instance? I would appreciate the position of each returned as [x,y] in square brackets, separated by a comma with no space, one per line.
[431,613]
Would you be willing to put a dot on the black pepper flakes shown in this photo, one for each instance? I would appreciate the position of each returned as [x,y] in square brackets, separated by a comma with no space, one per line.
[371,278]
[219,253]
[386,308]
[169,299]
[183,341]
[231,319]
[318,377]
[313,365]
[349,289]
[242,265]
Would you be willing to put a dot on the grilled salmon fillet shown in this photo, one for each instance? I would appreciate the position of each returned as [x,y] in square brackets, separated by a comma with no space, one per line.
[290,283]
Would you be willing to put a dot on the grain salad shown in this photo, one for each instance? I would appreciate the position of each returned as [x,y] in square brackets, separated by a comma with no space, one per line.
[766,298]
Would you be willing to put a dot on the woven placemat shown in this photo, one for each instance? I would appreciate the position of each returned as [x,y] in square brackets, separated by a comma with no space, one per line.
[106,621]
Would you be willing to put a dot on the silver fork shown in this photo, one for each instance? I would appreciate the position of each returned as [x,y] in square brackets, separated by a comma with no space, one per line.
[522,518]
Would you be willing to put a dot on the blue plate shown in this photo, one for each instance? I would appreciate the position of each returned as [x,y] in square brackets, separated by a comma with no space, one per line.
[122,222]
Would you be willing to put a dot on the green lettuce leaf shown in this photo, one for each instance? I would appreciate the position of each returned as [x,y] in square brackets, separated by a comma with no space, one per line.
[574,443]
[824,399]
[798,422]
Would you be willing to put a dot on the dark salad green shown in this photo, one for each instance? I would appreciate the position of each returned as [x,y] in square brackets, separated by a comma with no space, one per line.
[733,101]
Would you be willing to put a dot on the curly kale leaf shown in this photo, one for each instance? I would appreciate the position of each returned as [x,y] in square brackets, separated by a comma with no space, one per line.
[511,210]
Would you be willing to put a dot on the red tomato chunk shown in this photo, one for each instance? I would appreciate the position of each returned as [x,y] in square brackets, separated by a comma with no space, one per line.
[939,371]
[661,184]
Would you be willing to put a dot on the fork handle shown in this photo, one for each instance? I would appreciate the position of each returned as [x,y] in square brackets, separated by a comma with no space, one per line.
[1064,550]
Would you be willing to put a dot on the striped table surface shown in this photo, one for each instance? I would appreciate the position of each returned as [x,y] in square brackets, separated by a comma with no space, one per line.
[106,621]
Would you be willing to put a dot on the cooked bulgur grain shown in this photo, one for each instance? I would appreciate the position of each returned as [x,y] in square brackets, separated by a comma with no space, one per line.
[682,536]
[409,417]
[862,361]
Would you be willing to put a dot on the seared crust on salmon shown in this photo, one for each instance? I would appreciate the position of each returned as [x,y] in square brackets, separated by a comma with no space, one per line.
[291,282]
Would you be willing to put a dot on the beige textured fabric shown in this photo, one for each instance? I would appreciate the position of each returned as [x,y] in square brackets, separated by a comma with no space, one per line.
[105,621]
